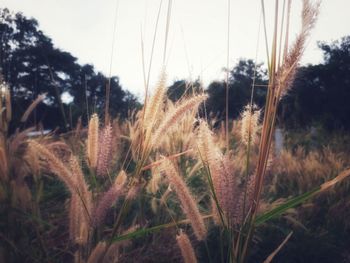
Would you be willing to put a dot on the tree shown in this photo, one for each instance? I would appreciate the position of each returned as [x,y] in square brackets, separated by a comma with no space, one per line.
[321,93]
[241,79]
[32,65]
[182,88]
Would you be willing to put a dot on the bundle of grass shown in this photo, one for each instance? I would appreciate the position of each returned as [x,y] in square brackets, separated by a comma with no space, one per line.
[20,184]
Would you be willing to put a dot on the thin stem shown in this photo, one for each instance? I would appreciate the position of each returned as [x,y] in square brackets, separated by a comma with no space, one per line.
[227,71]
[108,86]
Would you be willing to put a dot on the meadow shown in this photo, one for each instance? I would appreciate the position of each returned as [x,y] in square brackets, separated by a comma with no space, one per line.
[173,183]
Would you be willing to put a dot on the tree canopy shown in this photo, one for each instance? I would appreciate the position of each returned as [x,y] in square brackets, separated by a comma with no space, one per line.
[32,65]
[321,93]
[240,83]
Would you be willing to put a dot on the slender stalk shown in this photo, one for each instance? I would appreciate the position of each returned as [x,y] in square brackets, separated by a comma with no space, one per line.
[265,143]
[108,85]
[227,72]
[170,2]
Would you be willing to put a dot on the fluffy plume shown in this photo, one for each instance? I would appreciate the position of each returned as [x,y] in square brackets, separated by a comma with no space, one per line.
[250,120]
[186,248]
[92,141]
[228,188]
[154,105]
[32,106]
[222,173]
[209,153]
[54,164]
[80,203]
[104,154]
[109,198]
[80,206]
[174,116]
[82,187]
[288,69]
[245,200]
[188,203]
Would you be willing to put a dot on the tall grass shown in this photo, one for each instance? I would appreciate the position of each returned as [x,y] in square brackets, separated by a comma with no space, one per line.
[165,170]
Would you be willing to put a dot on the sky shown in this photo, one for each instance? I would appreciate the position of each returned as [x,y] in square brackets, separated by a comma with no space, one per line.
[197,38]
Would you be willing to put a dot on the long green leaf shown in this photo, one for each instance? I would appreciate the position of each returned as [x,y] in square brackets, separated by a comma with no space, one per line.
[285,206]
[145,231]
[140,232]
[301,198]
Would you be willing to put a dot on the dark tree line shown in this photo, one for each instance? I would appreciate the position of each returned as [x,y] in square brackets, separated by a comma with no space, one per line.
[240,83]
[32,65]
[321,93]
[319,96]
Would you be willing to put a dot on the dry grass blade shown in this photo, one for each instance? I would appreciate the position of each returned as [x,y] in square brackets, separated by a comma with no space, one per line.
[274,253]
[334,181]
[32,106]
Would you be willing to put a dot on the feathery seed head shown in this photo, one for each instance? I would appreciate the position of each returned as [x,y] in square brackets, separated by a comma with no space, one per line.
[174,116]
[92,141]
[154,105]
[188,203]
[55,165]
[250,124]
[109,198]
[186,248]
[286,73]
[104,153]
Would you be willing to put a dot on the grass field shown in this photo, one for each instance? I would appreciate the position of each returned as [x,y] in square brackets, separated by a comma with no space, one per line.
[173,184]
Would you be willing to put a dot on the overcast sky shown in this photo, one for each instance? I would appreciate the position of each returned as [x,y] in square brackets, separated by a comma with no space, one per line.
[197,37]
